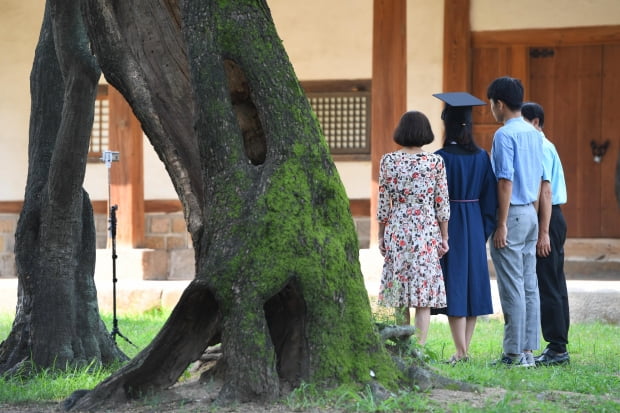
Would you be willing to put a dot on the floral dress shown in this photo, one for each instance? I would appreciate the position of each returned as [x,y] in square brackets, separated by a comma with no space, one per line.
[413,198]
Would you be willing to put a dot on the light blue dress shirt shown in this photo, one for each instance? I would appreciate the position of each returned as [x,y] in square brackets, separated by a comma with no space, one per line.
[553,172]
[516,155]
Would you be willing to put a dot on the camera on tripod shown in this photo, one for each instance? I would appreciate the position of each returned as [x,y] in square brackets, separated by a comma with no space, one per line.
[108,157]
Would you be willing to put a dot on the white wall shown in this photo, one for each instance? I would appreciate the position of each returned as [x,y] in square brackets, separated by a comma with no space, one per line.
[157,183]
[529,14]
[425,62]
[20,22]
[326,39]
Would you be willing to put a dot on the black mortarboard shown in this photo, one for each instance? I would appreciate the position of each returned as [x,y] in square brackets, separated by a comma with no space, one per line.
[459,99]
[458,107]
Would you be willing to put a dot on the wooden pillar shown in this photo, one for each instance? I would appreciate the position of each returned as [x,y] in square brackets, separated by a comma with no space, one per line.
[519,64]
[389,88]
[126,175]
[456,47]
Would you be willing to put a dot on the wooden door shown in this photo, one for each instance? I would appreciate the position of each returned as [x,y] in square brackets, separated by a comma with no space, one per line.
[489,63]
[578,89]
[610,130]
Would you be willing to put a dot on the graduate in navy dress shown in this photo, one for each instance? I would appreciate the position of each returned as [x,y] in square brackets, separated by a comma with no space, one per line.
[473,203]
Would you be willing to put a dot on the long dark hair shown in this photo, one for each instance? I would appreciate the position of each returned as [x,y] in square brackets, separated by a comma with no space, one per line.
[458,128]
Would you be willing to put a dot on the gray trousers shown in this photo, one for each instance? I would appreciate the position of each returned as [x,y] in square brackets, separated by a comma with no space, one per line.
[517,284]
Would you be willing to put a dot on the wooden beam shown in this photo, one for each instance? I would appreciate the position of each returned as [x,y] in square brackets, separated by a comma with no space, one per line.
[127,175]
[389,87]
[344,85]
[456,46]
[359,207]
[165,206]
[544,37]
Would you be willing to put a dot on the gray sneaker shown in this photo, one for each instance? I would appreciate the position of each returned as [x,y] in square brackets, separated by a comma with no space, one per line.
[527,360]
[515,360]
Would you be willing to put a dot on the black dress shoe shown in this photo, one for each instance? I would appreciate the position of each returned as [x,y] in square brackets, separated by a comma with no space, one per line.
[552,358]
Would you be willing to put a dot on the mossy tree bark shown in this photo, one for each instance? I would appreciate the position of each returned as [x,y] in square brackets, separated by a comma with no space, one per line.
[278,279]
[57,322]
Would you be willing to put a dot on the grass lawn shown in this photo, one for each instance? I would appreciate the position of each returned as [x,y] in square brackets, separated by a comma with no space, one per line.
[594,371]
[591,383]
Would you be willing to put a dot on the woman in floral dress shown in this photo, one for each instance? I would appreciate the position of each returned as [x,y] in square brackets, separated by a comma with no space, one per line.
[413,215]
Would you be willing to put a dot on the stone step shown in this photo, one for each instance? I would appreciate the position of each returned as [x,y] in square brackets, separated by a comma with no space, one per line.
[592,259]
[145,264]
[131,264]
[595,259]
[132,296]
[580,268]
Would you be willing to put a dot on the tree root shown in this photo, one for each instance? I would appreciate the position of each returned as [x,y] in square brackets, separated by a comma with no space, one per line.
[419,373]
[425,379]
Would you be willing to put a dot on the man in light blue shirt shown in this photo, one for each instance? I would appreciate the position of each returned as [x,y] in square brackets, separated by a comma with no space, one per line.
[516,158]
[554,309]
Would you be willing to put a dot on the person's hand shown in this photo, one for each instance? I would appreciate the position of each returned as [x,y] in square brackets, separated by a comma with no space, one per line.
[543,245]
[499,238]
[443,248]
[382,246]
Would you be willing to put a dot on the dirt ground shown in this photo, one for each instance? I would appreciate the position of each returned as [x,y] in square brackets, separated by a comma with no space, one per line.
[194,397]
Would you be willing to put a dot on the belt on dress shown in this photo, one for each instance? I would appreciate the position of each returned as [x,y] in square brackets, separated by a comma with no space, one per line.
[464,200]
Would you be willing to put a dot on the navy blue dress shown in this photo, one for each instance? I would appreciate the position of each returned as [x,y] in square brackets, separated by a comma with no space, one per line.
[473,205]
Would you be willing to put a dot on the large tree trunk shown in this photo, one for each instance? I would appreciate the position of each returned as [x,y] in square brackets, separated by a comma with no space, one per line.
[141,51]
[57,321]
[278,277]
[280,250]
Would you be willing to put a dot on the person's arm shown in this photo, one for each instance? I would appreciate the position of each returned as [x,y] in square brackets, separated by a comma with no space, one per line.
[381,238]
[384,204]
[543,245]
[442,205]
[504,193]
[443,228]
[488,202]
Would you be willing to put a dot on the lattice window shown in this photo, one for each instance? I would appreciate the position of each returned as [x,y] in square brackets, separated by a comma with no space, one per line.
[99,137]
[342,108]
[344,118]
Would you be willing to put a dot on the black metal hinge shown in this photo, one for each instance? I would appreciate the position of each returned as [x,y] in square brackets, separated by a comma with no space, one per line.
[541,52]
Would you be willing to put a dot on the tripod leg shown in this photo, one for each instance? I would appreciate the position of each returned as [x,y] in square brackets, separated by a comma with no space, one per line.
[112,228]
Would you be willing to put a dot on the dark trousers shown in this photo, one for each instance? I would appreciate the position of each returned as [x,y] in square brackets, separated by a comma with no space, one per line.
[554,313]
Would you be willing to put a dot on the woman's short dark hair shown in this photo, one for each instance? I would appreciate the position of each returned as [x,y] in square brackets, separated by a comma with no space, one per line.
[413,129]
[531,111]
[507,89]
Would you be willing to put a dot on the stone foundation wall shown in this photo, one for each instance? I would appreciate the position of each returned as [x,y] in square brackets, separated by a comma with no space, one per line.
[168,250]
[8,223]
